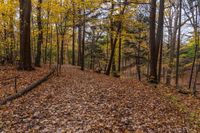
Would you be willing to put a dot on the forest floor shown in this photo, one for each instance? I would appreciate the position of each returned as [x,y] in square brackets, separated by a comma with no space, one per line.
[24,78]
[78,101]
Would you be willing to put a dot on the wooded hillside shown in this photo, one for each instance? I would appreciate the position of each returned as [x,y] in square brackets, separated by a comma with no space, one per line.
[153,43]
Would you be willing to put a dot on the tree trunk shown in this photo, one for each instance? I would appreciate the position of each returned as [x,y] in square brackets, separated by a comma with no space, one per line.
[83,43]
[73,36]
[25,45]
[79,44]
[160,62]
[12,36]
[58,49]
[33,47]
[51,45]
[198,67]
[138,62]
[152,42]
[40,35]
[172,41]
[114,40]
[62,51]
[194,90]
[178,47]
[196,46]
[159,37]
[119,54]
[47,39]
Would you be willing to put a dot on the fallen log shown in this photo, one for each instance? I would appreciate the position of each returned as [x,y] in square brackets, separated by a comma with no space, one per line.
[29,88]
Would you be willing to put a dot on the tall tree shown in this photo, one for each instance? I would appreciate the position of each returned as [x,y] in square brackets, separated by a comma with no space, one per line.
[83,40]
[120,45]
[25,45]
[172,31]
[178,46]
[155,38]
[40,35]
[79,38]
[194,23]
[159,35]
[152,42]
[74,35]
[115,38]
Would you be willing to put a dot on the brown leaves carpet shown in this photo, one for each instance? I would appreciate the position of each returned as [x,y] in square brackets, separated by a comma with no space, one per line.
[81,102]
[24,78]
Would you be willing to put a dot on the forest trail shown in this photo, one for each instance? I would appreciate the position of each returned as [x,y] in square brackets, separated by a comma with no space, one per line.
[80,101]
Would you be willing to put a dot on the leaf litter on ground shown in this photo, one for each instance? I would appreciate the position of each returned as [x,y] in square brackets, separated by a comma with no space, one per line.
[78,101]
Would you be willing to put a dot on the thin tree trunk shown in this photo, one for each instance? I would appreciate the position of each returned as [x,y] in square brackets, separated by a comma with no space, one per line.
[33,47]
[172,41]
[193,64]
[138,62]
[51,43]
[40,35]
[197,70]
[114,41]
[74,36]
[62,51]
[160,62]
[107,48]
[83,43]
[58,49]
[47,39]
[178,47]
[12,36]
[119,54]
[196,47]
[79,44]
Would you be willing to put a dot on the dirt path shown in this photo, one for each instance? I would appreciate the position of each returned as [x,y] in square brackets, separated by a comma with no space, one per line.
[87,102]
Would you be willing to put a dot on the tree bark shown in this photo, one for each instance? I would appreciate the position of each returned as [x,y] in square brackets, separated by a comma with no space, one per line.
[195,25]
[172,41]
[114,40]
[62,51]
[138,62]
[79,44]
[73,36]
[153,45]
[51,45]
[58,49]
[178,46]
[83,43]
[159,37]
[40,35]
[119,54]
[47,38]
[25,45]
